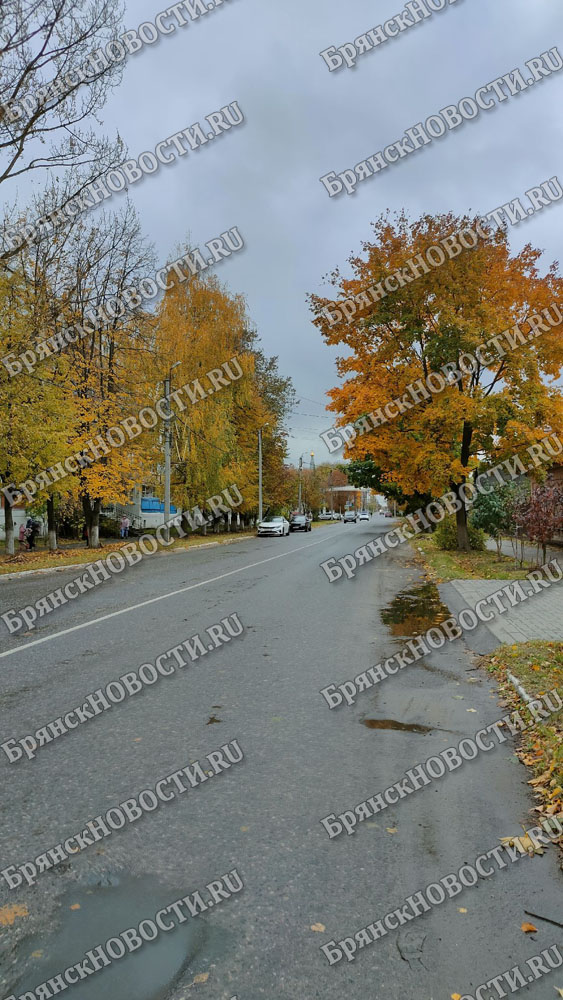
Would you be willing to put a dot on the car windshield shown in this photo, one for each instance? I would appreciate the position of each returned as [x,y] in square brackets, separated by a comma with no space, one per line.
[273,520]
[298,517]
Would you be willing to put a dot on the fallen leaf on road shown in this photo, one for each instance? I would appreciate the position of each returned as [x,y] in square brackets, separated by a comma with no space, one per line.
[244,829]
[525,842]
[75,906]
[392,829]
[8,914]
[318,927]
[201,977]
[37,954]
[461,909]
[557,990]
[456,996]
[528,928]
[138,740]
[470,709]
[458,696]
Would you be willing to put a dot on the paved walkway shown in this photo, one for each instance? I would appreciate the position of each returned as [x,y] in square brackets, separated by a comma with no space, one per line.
[540,617]
[530,551]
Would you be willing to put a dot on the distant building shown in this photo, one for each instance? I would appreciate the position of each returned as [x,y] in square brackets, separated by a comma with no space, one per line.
[144,510]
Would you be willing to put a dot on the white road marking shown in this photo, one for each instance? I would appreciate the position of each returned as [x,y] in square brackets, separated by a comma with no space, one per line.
[153,600]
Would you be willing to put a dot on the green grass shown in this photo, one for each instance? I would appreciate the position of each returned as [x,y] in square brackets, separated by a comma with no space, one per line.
[24,561]
[448,565]
[539,667]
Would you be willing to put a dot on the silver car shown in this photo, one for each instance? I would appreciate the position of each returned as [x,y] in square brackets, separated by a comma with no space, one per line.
[274,526]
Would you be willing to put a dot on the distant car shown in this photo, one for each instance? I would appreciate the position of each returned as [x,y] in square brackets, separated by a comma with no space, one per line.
[336,516]
[274,526]
[349,516]
[388,513]
[326,516]
[299,522]
[364,515]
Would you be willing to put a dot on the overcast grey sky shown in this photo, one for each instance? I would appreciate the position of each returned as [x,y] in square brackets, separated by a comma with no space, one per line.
[302,121]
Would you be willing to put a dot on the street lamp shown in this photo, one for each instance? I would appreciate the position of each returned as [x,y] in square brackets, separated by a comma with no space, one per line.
[167,437]
[260,429]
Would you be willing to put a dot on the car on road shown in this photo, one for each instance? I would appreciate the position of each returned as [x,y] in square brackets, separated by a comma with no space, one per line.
[325,516]
[273,526]
[299,522]
[364,515]
[349,516]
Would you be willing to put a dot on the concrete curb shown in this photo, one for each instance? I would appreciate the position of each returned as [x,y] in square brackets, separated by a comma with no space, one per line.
[84,566]
[516,683]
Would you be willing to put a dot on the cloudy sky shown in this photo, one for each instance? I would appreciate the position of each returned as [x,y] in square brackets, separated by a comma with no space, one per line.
[302,121]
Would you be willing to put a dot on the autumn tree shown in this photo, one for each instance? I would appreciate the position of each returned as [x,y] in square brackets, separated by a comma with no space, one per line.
[540,515]
[52,87]
[34,412]
[497,405]
[232,391]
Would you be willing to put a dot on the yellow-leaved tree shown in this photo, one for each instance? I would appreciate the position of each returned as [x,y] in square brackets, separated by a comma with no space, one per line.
[436,317]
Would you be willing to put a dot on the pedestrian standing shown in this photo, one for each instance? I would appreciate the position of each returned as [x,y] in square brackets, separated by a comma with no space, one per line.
[32,533]
[124,529]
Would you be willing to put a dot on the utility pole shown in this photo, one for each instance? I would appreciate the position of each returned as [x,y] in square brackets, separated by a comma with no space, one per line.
[300,475]
[167,437]
[259,474]
[167,459]
[260,504]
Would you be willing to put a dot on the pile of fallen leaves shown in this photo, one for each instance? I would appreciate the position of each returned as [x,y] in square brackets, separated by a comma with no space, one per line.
[538,666]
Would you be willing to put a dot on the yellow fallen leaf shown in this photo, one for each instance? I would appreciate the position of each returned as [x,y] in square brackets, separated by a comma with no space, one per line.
[318,927]
[8,914]
[470,709]
[528,928]
[202,977]
[244,829]
[456,996]
[557,990]
[75,906]
[392,829]
[461,909]
[37,954]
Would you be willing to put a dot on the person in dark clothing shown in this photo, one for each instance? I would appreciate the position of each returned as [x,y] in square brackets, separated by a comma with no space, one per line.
[32,530]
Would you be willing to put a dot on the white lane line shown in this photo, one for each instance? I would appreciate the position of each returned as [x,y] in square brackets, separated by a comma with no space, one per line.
[153,600]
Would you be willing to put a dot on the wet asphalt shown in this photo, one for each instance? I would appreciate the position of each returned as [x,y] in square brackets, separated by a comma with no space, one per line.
[262,817]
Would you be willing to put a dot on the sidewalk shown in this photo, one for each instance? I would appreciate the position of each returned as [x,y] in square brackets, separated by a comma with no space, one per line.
[530,550]
[541,617]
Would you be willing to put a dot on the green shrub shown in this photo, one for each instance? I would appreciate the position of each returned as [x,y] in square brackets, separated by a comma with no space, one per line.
[445,535]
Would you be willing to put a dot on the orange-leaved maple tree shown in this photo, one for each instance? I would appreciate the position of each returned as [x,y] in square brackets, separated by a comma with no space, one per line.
[438,316]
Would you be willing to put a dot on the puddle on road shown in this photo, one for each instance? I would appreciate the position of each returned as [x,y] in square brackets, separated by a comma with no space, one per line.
[415,610]
[112,904]
[409,727]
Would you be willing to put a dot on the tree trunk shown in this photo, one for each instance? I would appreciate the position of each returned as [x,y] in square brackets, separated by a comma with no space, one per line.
[9,528]
[461,515]
[544,552]
[94,535]
[51,528]
[461,523]
[92,518]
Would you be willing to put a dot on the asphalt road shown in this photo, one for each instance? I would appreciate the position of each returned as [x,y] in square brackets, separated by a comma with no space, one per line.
[262,817]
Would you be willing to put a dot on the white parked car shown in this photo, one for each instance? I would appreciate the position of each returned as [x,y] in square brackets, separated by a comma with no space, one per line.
[274,526]
[364,515]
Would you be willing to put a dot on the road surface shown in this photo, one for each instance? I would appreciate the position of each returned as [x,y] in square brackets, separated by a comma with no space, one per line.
[262,816]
